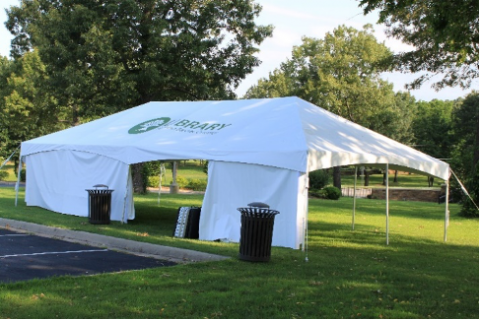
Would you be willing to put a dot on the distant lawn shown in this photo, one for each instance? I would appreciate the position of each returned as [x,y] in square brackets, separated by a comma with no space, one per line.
[404,180]
[349,274]
[193,169]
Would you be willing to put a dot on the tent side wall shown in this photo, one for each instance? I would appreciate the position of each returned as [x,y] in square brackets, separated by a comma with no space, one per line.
[58,180]
[234,185]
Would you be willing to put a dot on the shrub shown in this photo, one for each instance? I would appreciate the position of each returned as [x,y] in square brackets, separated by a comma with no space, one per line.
[332,193]
[318,179]
[23,175]
[153,181]
[3,175]
[197,184]
[181,181]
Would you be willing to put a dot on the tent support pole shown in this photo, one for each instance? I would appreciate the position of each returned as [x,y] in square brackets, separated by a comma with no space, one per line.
[126,194]
[386,198]
[17,185]
[447,212]
[354,198]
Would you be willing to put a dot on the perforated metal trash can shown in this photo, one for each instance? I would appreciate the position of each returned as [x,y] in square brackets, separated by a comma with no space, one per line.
[256,232]
[99,204]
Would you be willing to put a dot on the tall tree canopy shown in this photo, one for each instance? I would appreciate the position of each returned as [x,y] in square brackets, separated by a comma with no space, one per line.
[444,35]
[27,110]
[465,124]
[432,127]
[105,56]
[340,73]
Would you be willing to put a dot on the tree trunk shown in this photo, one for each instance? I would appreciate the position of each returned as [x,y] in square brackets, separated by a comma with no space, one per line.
[139,185]
[337,179]
[395,178]
[367,178]
[174,186]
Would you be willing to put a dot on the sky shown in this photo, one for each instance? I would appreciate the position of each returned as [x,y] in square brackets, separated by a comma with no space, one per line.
[292,20]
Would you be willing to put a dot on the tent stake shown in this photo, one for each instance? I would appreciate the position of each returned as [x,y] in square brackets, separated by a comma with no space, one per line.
[354,197]
[386,198]
[447,212]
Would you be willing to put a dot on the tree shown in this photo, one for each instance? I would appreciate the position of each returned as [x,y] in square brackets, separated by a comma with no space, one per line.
[5,70]
[340,73]
[444,35]
[432,128]
[465,124]
[106,56]
[27,110]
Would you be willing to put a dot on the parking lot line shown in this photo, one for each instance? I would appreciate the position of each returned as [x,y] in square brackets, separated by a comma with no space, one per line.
[53,252]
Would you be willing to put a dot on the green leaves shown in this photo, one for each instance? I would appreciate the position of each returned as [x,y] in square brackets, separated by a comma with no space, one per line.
[103,57]
[444,34]
[341,74]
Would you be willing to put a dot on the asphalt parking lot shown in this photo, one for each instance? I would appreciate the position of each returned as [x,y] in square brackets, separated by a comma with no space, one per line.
[25,256]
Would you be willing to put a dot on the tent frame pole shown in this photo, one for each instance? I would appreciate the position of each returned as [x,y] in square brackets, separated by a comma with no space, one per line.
[447,212]
[354,198]
[17,185]
[387,204]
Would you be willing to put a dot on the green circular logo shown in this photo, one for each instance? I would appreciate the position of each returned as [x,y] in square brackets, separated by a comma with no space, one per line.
[148,125]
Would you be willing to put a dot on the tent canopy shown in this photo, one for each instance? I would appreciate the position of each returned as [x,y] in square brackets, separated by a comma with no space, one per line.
[287,133]
[259,150]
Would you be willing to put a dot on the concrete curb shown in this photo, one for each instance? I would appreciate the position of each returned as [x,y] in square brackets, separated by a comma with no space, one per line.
[140,248]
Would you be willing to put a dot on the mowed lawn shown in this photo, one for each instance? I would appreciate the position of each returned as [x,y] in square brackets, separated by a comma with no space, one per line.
[349,274]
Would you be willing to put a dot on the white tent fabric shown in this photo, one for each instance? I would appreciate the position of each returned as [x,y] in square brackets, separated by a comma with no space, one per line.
[58,181]
[234,185]
[281,134]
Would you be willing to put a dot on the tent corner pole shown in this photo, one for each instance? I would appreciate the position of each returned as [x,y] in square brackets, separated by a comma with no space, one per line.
[447,212]
[17,185]
[387,204]
[354,197]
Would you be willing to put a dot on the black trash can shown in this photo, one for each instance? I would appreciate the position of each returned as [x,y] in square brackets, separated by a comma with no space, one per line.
[99,204]
[256,232]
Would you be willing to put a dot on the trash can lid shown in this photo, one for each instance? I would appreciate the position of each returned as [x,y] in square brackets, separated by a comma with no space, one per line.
[259,205]
[100,186]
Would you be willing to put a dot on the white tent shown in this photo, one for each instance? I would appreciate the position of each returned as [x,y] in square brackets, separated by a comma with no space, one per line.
[259,150]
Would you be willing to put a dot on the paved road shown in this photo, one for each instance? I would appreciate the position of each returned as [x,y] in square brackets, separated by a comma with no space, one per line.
[24,256]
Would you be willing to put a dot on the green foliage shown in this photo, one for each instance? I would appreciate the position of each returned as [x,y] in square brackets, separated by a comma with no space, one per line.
[197,184]
[27,109]
[153,181]
[331,193]
[341,73]
[469,209]
[23,175]
[181,181]
[205,167]
[3,175]
[432,128]
[465,125]
[107,56]
[318,179]
[443,33]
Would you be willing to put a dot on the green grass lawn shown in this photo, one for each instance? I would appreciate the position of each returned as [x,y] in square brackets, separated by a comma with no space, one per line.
[404,180]
[349,274]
